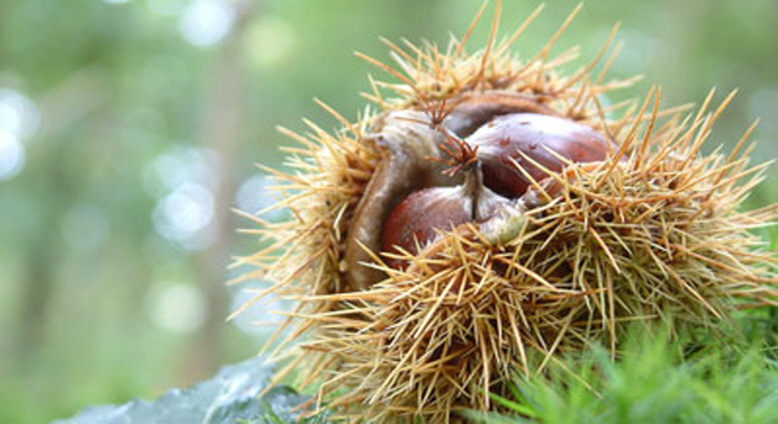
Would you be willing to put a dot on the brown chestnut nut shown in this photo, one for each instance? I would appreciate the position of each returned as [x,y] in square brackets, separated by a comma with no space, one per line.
[415,222]
[542,138]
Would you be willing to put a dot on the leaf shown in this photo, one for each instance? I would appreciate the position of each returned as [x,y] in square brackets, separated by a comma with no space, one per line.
[228,398]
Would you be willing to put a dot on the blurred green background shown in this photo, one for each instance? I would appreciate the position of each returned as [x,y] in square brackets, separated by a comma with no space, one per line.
[129,128]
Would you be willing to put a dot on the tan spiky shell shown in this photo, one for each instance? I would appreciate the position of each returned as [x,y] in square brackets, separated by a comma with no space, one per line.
[654,232]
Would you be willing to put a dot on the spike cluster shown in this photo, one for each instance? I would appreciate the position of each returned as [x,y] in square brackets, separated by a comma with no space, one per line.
[653,231]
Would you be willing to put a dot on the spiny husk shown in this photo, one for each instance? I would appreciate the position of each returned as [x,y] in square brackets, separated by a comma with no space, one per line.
[651,233]
[655,236]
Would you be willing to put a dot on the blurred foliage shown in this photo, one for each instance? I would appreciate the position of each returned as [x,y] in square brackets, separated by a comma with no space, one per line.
[129,128]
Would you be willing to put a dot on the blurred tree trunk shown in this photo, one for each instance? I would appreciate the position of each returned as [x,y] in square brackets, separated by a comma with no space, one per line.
[35,298]
[65,103]
[223,125]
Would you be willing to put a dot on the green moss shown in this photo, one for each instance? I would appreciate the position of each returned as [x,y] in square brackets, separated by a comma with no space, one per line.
[656,380]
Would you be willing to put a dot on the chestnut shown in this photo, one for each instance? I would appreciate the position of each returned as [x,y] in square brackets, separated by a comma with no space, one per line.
[504,142]
[417,220]
[413,222]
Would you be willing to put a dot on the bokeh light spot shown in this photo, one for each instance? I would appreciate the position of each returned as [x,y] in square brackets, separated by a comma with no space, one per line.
[206,22]
[253,196]
[271,40]
[184,212]
[12,156]
[18,114]
[176,307]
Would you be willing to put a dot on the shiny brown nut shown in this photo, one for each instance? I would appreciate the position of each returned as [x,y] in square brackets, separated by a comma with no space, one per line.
[417,220]
[414,222]
[514,141]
